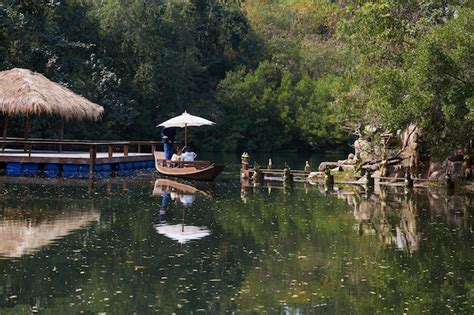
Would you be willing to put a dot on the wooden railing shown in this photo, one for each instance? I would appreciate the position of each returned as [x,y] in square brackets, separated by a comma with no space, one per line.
[111,145]
[93,147]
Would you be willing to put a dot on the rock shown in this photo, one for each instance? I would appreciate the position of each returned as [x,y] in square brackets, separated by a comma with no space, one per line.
[347,167]
[315,174]
[351,156]
[436,175]
[396,170]
[408,137]
[337,169]
[324,165]
[456,169]
[363,149]
[371,167]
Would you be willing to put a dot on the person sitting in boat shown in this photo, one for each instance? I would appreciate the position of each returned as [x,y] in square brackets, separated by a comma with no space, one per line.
[188,154]
[176,158]
[177,155]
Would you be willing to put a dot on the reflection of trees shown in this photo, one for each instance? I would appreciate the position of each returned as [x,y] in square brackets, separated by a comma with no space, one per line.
[394,216]
[321,266]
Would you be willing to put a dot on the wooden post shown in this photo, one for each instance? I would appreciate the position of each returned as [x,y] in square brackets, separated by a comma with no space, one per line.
[61,134]
[27,126]
[370,180]
[92,157]
[408,180]
[5,126]
[27,130]
[110,150]
[139,149]
[90,185]
[287,176]
[125,150]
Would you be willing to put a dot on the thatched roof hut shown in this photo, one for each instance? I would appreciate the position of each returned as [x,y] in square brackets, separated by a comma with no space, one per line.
[24,92]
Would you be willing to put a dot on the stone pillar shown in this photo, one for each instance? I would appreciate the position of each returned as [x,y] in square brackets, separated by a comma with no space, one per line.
[449,182]
[328,179]
[257,176]
[307,167]
[287,176]
[244,169]
[370,180]
[270,164]
[408,179]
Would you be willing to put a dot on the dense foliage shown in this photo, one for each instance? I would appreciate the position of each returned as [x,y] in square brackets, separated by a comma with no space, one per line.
[275,75]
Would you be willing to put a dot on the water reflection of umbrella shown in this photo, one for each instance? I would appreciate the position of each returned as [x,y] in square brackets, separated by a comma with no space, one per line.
[182,233]
[186,120]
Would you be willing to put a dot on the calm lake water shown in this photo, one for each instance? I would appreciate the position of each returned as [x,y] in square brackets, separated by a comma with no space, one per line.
[145,244]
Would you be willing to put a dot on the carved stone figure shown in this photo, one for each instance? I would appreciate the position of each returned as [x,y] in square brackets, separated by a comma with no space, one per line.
[415,157]
[467,165]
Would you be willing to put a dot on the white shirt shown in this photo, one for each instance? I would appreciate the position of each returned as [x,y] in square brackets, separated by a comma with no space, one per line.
[186,200]
[175,158]
[188,156]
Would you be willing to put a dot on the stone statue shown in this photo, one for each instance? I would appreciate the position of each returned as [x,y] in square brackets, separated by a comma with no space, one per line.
[467,165]
[270,164]
[307,167]
[415,157]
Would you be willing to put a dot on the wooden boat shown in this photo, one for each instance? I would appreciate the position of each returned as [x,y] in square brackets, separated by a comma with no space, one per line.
[197,170]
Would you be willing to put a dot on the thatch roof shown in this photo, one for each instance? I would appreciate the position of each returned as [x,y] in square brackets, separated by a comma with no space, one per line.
[24,92]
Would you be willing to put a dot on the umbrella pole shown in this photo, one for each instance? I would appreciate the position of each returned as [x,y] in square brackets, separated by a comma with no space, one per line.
[185,135]
[5,126]
[182,225]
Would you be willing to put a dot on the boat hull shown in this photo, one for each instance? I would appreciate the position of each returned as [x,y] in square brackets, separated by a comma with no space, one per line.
[196,170]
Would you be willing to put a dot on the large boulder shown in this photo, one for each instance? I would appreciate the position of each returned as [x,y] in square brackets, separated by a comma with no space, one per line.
[325,165]
[363,149]
[408,137]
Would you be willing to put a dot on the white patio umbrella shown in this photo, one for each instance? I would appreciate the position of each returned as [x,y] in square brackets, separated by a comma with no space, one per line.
[186,120]
[182,233]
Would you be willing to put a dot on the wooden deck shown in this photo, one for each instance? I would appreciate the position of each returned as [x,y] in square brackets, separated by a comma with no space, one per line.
[75,152]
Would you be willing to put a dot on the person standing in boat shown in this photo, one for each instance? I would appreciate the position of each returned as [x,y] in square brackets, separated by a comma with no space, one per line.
[167,136]
[188,154]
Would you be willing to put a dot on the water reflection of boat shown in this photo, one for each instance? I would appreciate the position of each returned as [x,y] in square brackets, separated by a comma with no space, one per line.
[162,185]
[33,231]
[185,194]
